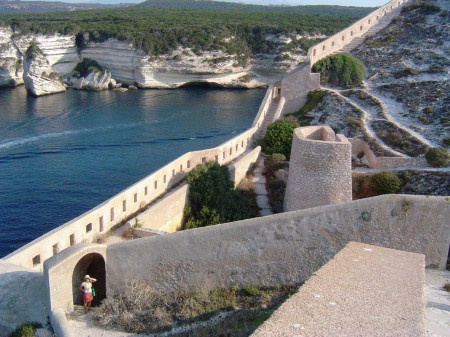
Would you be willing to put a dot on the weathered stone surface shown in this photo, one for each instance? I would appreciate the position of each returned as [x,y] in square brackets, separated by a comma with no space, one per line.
[39,78]
[22,297]
[10,67]
[319,170]
[365,290]
[95,80]
[283,248]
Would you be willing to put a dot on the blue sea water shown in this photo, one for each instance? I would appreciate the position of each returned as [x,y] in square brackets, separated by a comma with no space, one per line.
[63,154]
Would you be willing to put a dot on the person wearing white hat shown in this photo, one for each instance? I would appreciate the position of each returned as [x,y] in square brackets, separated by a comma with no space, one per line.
[86,288]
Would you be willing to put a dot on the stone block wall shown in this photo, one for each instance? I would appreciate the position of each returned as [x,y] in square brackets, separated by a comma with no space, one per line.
[296,85]
[319,169]
[238,170]
[284,248]
[359,146]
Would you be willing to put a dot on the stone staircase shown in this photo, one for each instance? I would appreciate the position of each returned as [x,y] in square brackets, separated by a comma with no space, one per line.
[383,23]
[259,183]
[269,118]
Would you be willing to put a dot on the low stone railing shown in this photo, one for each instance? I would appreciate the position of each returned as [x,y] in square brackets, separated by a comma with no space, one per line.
[346,36]
[114,211]
[360,146]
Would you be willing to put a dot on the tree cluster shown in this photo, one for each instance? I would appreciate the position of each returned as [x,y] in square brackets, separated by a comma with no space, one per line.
[212,199]
[161,30]
[340,70]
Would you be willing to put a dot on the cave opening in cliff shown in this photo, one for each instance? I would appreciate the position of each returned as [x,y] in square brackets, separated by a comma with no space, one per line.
[201,84]
[92,264]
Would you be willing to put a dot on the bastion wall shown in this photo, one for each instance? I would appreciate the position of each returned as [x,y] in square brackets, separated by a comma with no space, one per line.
[320,169]
[124,205]
[284,248]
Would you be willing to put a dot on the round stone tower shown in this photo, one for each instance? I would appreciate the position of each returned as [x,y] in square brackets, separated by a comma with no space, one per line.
[320,169]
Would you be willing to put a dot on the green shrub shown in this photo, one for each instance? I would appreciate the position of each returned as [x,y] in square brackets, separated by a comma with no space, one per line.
[437,157]
[385,182]
[26,329]
[251,290]
[278,138]
[446,141]
[32,51]
[274,161]
[340,70]
[314,98]
[212,199]
[87,66]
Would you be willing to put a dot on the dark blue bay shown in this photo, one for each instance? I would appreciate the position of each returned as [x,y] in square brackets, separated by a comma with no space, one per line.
[63,154]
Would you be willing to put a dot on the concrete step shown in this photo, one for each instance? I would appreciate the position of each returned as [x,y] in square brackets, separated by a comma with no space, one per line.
[260,189]
[263,202]
[259,179]
[364,291]
[265,212]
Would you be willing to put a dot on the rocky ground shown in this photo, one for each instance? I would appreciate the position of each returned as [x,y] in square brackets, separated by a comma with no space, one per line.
[425,183]
[414,84]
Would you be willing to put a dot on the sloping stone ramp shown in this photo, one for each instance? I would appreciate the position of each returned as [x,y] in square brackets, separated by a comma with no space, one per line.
[259,183]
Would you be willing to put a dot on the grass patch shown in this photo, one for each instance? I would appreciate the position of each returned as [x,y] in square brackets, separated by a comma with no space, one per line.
[139,308]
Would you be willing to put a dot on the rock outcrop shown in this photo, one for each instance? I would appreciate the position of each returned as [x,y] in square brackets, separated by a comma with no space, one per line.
[39,78]
[132,66]
[10,66]
[94,81]
[22,297]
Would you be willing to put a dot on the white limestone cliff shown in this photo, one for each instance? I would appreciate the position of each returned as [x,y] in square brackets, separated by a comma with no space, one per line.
[95,80]
[39,78]
[10,67]
[132,66]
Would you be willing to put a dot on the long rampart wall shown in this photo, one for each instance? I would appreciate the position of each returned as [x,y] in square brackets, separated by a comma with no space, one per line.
[345,36]
[296,84]
[284,248]
[88,226]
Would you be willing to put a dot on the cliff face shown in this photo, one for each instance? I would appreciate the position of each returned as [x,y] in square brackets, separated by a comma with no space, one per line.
[39,78]
[131,66]
[10,68]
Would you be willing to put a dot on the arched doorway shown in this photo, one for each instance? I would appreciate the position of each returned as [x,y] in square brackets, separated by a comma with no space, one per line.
[94,265]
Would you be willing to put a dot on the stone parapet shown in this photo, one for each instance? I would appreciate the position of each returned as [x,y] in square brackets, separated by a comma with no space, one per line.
[365,290]
[346,36]
[283,248]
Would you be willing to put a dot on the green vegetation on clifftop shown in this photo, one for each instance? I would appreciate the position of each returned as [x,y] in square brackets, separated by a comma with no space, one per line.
[161,30]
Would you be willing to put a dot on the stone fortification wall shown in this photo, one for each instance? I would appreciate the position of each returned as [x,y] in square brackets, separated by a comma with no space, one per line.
[296,85]
[360,146]
[125,204]
[284,248]
[62,278]
[165,214]
[238,170]
[339,40]
[319,169]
